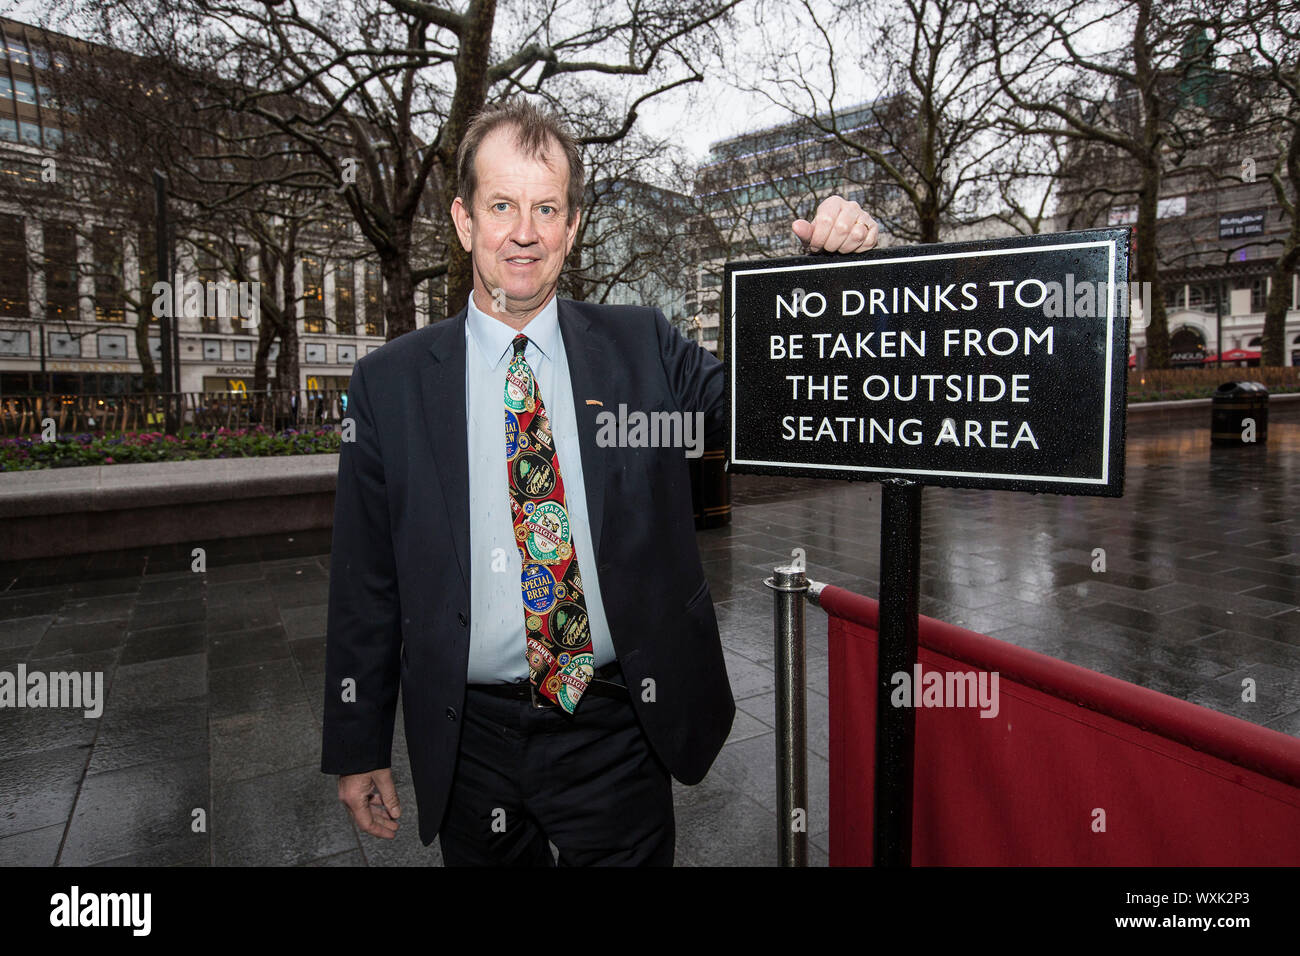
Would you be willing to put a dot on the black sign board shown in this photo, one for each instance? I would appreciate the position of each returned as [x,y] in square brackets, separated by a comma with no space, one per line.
[1248,223]
[996,364]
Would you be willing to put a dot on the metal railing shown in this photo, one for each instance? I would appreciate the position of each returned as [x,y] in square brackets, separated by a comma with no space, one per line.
[790,586]
[147,412]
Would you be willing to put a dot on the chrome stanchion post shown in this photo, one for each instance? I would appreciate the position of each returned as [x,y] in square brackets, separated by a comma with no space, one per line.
[789,585]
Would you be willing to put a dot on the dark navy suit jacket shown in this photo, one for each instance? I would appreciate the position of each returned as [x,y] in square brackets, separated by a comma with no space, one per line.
[399,601]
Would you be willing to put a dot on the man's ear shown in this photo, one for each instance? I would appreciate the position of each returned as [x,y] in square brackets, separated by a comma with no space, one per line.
[460,216]
[571,231]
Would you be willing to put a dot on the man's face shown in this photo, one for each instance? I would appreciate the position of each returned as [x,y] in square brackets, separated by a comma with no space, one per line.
[516,231]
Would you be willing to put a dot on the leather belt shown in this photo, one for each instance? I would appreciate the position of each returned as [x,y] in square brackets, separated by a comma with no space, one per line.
[600,686]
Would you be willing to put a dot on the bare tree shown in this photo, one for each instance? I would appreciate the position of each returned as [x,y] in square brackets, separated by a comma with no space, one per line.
[240,192]
[635,234]
[1271,34]
[907,88]
[379,96]
[1118,81]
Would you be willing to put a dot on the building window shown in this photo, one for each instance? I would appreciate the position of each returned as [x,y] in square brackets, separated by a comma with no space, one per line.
[347,354]
[8,130]
[147,260]
[111,346]
[243,351]
[313,296]
[220,295]
[64,345]
[109,298]
[25,92]
[1258,294]
[13,268]
[1203,296]
[15,344]
[212,350]
[374,301]
[1255,343]
[17,50]
[60,272]
[315,353]
[345,306]
[205,268]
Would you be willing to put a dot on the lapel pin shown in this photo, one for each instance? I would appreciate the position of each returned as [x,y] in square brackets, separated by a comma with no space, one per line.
[592,401]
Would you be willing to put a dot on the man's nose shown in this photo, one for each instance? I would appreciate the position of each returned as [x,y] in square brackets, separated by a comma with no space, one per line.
[525,231]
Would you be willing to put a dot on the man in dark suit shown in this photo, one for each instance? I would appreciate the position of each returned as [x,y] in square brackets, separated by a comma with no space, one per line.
[536,592]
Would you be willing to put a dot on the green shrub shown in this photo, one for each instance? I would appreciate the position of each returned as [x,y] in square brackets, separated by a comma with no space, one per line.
[70,451]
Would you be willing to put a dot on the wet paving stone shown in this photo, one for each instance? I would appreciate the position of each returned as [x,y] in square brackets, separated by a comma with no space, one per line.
[122,812]
[215,680]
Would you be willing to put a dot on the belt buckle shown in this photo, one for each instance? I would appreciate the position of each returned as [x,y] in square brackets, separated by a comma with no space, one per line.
[539,703]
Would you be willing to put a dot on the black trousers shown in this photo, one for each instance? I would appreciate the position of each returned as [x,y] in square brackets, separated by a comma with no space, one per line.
[589,783]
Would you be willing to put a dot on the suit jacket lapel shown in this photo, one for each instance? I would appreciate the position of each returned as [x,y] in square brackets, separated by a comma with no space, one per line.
[442,384]
[582,348]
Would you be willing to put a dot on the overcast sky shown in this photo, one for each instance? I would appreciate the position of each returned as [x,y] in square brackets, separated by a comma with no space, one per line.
[700,113]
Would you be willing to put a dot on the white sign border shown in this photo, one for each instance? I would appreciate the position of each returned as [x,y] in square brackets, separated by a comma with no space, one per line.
[1110,348]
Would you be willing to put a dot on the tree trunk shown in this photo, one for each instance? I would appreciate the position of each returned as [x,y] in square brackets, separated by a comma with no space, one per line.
[471,92]
[269,322]
[1150,159]
[1273,350]
[148,372]
[1157,323]
[399,289]
[928,214]
[287,378]
[266,333]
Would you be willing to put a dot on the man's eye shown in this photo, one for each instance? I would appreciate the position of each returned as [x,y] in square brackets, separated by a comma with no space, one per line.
[500,206]
[546,210]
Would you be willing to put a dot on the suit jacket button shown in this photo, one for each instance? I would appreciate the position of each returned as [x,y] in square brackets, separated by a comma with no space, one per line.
[451,713]
[461,617]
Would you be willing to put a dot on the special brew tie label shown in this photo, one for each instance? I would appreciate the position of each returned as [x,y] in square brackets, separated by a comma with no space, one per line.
[558,648]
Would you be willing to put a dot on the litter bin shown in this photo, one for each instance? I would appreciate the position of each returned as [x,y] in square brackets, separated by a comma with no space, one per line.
[710,490]
[1239,414]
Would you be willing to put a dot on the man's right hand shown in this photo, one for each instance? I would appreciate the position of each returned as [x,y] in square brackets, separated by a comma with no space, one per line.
[371,798]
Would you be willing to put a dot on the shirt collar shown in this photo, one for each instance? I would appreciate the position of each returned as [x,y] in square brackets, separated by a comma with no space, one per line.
[494,338]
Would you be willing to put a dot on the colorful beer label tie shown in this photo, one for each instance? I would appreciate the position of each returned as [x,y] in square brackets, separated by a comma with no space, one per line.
[557,645]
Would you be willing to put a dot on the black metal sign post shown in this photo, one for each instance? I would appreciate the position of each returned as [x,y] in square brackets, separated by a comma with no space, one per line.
[900,580]
[168,355]
[999,364]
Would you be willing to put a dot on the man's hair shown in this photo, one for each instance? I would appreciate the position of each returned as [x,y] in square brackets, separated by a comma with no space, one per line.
[535,130]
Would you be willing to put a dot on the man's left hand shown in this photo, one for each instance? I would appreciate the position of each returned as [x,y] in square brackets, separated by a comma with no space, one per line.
[838,226]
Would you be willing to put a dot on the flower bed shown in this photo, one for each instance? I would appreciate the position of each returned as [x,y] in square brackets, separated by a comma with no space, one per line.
[1139,394]
[70,451]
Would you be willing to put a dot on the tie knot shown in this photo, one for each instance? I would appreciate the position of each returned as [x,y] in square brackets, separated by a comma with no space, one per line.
[520,343]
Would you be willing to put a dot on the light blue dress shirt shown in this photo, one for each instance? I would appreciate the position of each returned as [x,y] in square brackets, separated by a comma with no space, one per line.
[496,634]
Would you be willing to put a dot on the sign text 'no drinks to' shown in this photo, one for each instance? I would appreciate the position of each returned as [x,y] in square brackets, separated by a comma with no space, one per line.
[995,364]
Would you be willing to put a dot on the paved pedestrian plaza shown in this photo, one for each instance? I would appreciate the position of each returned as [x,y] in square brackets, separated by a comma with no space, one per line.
[208,748]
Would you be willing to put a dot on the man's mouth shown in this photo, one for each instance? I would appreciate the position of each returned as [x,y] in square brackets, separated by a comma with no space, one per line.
[522,260]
